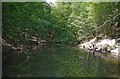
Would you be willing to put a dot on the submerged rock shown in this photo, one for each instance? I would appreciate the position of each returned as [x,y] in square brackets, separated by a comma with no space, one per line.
[116,51]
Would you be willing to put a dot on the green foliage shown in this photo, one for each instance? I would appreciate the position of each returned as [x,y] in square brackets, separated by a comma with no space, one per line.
[21,19]
[65,22]
[84,18]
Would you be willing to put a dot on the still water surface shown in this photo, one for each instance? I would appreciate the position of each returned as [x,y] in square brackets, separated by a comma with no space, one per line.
[59,61]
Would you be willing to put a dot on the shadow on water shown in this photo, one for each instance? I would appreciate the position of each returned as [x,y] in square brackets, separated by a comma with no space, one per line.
[59,61]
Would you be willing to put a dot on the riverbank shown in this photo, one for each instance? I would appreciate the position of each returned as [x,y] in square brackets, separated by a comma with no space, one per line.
[11,48]
[105,48]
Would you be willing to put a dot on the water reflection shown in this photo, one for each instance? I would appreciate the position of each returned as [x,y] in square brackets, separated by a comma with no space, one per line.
[59,61]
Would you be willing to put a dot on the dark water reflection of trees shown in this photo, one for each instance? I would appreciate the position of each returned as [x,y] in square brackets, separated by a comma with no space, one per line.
[59,61]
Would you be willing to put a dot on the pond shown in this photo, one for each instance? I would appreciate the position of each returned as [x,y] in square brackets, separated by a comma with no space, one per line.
[59,61]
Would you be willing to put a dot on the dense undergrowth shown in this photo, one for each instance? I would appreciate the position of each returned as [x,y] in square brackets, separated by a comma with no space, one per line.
[68,23]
